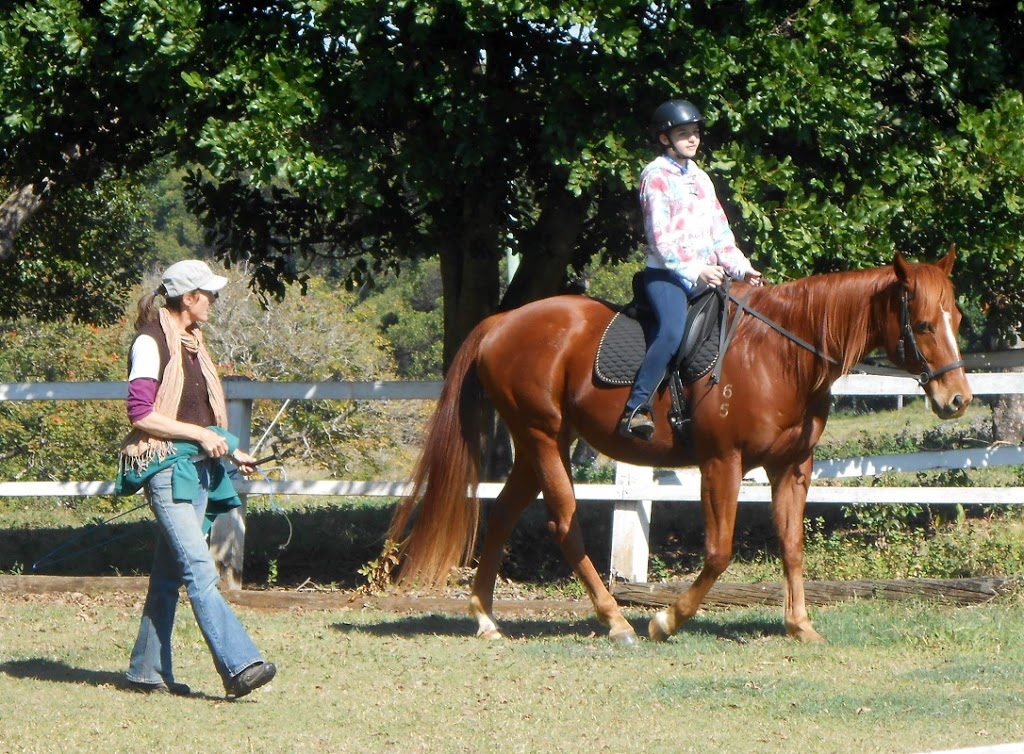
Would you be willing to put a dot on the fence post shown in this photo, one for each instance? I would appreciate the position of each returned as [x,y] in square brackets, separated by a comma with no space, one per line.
[631,526]
[227,537]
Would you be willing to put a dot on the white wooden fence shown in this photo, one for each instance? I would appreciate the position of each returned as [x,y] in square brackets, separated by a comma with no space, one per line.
[632,493]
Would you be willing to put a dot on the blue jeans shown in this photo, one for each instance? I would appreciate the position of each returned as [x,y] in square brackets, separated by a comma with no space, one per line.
[669,301]
[183,557]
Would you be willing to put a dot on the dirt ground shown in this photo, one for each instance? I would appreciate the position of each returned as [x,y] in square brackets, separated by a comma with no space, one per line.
[121,590]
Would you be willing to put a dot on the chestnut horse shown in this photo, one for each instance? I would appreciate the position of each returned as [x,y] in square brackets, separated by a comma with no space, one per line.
[536,364]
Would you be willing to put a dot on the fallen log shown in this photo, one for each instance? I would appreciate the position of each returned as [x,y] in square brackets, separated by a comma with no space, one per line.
[967,591]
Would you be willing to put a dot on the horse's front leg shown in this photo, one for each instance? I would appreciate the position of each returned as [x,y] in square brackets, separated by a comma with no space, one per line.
[789,498]
[719,492]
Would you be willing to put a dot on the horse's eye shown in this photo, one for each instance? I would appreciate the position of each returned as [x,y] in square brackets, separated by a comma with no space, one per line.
[924,327]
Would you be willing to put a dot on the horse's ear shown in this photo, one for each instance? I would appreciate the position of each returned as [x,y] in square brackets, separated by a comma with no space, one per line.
[902,268]
[946,263]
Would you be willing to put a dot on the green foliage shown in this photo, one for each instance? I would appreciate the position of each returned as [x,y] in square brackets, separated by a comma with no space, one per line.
[595,471]
[176,233]
[406,306]
[612,281]
[44,440]
[839,132]
[377,572]
[886,546]
[78,259]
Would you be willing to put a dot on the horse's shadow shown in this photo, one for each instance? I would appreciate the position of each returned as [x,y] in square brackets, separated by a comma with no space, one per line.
[740,631]
[56,671]
[451,625]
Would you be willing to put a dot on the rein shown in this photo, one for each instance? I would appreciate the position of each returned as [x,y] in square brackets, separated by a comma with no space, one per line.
[906,337]
[741,307]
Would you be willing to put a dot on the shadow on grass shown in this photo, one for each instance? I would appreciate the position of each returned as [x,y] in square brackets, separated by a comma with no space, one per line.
[739,631]
[449,625]
[55,671]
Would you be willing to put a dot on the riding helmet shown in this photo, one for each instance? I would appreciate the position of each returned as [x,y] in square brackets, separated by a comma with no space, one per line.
[675,112]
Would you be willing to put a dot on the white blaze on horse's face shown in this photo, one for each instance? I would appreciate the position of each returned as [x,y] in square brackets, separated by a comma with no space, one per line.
[947,321]
[950,393]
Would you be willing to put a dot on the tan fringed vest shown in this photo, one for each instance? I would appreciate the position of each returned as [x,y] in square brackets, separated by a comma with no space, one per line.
[190,391]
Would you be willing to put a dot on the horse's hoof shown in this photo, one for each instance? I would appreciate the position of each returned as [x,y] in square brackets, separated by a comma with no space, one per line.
[657,629]
[626,638]
[491,633]
[805,634]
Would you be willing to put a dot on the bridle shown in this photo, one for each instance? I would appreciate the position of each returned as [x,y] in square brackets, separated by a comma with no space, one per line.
[907,339]
[909,343]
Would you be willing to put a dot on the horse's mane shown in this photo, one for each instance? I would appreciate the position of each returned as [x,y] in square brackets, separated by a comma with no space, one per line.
[831,311]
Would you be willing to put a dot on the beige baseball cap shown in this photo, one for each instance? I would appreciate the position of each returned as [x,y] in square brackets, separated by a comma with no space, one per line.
[191,275]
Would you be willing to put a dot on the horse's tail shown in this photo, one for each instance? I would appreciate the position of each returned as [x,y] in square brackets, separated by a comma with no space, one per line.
[445,478]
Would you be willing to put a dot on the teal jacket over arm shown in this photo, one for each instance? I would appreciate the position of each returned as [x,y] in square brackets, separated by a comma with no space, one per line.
[185,478]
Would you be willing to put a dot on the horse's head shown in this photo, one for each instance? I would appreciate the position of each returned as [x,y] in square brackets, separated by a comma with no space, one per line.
[922,333]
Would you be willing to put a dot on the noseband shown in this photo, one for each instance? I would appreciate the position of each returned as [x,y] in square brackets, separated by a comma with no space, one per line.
[909,342]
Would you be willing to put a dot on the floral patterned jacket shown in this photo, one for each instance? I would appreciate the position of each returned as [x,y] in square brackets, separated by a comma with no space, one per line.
[685,224]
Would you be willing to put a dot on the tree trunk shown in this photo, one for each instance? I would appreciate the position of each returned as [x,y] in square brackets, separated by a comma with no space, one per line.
[469,269]
[550,249]
[470,280]
[16,210]
[1008,410]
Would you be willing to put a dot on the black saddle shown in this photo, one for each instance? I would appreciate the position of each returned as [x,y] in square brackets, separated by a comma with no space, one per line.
[625,340]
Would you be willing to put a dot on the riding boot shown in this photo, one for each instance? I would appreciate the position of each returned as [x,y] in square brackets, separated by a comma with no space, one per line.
[637,423]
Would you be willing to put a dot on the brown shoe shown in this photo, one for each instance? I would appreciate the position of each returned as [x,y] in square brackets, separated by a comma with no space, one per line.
[161,687]
[637,424]
[251,679]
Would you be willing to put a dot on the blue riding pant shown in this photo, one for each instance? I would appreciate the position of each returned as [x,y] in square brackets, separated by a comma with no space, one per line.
[669,301]
[183,556]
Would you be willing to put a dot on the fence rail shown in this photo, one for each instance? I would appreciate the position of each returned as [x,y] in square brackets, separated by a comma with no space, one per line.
[632,493]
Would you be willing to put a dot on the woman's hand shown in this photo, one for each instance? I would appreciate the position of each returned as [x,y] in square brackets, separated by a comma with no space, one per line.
[246,463]
[754,278]
[213,444]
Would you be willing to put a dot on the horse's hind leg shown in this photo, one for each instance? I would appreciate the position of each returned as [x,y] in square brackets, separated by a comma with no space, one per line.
[563,523]
[789,497]
[519,491]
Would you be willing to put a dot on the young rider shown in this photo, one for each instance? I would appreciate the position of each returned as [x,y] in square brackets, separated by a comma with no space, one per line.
[690,247]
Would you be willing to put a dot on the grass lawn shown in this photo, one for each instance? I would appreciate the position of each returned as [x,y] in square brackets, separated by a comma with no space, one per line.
[892,678]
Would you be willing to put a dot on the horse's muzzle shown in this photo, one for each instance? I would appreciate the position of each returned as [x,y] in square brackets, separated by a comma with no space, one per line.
[953,406]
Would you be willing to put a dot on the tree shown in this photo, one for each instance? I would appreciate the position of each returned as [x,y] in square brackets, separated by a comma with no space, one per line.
[376,131]
[840,133]
[313,338]
[407,310]
[88,91]
[80,256]
[94,94]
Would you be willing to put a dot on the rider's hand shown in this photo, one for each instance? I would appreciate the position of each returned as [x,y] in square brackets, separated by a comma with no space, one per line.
[754,278]
[713,275]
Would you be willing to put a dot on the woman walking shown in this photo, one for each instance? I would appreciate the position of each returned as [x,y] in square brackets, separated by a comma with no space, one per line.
[174,452]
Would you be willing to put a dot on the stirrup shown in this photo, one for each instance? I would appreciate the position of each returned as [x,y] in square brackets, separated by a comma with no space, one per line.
[637,424]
